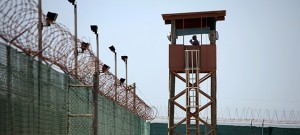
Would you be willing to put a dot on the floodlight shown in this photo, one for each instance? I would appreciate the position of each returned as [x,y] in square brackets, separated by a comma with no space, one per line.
[72,1]
[112,48]
[51,17]
[122,80]
[105,68]
[84,46]
[94,28]
[124,58]
[169,36]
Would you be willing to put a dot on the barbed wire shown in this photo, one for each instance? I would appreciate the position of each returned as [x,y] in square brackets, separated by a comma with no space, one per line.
[275,116]
[18,27]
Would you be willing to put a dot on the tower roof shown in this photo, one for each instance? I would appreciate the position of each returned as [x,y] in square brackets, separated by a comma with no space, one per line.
[193,19]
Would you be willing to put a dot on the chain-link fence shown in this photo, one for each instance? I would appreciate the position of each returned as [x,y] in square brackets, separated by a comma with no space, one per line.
[35,99]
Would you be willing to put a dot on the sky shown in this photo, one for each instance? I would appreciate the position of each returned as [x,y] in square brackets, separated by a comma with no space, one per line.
[257,52]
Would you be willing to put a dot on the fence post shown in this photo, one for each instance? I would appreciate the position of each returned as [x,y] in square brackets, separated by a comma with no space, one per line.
[262,127]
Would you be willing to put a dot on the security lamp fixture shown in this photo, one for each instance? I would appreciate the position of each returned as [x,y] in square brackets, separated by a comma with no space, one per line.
[51,17]
[169,36]
[217,35]
[130,86]
[72,1]
[122,80]
[84,46]
[105,68]
[94,28]
[112,48]
[124,58]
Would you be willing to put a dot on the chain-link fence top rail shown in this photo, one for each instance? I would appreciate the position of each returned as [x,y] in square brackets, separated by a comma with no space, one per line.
[19,18]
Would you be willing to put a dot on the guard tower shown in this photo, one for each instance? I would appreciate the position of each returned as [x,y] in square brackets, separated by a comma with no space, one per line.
[193,60]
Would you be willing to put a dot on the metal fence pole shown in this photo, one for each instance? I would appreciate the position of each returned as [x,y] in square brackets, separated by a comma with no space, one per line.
[95,90]
[262,127]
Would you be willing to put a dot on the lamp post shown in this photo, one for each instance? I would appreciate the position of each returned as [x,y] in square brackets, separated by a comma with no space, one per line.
[94,28]
[40,25]
[75,37]
[51,17]
[125,58]
[40,47]
[113,49]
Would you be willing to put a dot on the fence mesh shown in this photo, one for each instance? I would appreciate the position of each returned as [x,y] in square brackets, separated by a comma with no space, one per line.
[35,99]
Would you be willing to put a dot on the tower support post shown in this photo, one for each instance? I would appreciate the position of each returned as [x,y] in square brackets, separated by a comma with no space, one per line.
[171,104]
[214,103]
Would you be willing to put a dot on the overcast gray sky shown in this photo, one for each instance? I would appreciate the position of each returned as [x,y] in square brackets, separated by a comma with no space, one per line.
[257,53]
